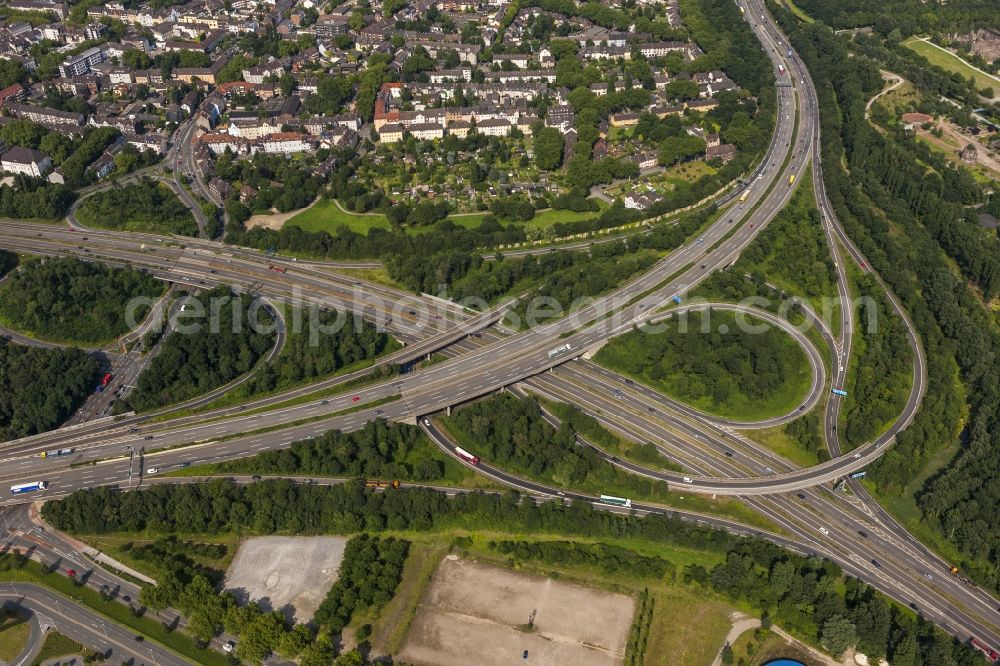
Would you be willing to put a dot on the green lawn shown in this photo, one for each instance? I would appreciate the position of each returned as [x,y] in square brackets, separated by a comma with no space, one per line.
[325,215]
[951,62]
[688,629]
[780,442]
[14,632]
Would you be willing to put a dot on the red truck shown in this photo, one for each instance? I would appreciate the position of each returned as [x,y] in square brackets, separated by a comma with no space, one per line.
[105,380]
[990,653]
[466,456]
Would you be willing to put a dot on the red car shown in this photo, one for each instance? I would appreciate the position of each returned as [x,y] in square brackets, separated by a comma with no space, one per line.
[356,398]
[71,573]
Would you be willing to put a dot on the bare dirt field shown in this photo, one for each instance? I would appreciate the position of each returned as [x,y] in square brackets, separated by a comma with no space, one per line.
[477,613]
[290,574]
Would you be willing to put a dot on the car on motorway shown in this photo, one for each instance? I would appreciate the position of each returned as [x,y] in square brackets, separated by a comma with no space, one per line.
[688,479]
[701,240]
[824,531]
[379,412]
[913,606]
[356,398]
[729,454]
[862,534]
[876,564]
[857,455]
[148,437]
[800,496]
[427,422]
[324,402]
[152,470]
[930,577]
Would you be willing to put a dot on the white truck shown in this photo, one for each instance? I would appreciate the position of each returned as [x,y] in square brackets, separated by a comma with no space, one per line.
[561,349]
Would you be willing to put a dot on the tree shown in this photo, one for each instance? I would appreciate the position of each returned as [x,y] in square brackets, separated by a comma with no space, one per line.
[838,634]
[680,148]
[549,145]
[11,72]
[726,656]
[357,21]
[682,89]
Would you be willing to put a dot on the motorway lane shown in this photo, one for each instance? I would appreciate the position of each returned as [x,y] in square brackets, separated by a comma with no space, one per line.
[434,388]
[85,626]
[802,542]
[638,286]
[837,237]
[852,537]
[20,455]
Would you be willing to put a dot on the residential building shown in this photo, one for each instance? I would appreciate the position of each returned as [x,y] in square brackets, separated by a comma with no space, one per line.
[81,63]
[25,161]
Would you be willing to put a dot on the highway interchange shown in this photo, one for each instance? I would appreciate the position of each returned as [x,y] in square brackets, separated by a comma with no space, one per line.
[849,529]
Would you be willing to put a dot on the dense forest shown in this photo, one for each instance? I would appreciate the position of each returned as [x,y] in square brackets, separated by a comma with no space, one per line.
[812,598]
[908,16]
[69,300]
[713,361]
[791,252]
[793,590]
[8,262]
[961,502]
[380,450]
[369,573]
[193,363]
[33,197]
[563,275]
[146,205]
[315,350]
[514,435]
[40,388]
[880,376]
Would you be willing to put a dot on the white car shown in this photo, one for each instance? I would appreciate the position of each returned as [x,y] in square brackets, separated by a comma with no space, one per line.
[857,455]
[229,647]
[687,479]
[427,422]
[152,470]
[824,531]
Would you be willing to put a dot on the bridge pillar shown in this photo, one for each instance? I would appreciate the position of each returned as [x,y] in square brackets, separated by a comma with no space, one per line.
[448,411]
